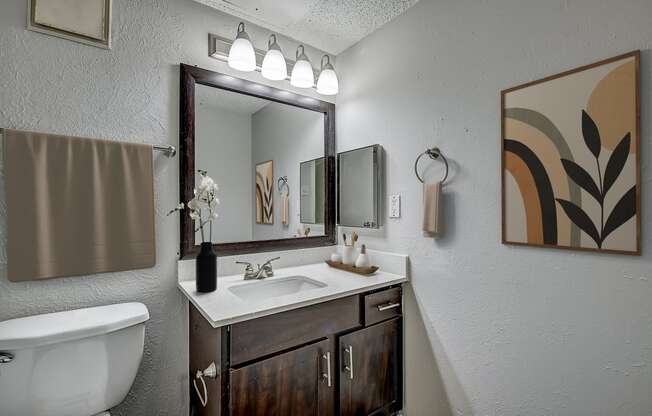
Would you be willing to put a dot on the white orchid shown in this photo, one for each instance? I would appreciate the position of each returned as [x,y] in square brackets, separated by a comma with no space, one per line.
[177,208]
[205,198]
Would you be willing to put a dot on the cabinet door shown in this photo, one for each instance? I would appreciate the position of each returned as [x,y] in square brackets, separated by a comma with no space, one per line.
[370,379]
[297,382]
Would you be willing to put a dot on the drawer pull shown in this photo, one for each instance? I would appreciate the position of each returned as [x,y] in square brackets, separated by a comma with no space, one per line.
[327,374]
[388,306]
[349,368]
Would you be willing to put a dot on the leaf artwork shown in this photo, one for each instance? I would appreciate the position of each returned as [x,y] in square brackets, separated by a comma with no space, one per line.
[624,210]
[264,193]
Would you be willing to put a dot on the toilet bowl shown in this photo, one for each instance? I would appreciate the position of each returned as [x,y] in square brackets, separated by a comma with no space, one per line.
[73,363]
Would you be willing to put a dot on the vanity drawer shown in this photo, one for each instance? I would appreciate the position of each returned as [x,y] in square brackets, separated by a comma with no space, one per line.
[382,305]
[279,332]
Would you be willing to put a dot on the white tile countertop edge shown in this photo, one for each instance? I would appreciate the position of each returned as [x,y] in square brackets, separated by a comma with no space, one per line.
[222,307]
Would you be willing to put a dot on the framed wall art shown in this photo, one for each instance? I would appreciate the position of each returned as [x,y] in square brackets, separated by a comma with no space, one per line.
[571,159]
[84,21]
[265,192]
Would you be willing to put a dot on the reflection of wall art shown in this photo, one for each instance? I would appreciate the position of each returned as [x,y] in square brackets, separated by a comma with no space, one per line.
[571,159]
[85,21]
[264,193]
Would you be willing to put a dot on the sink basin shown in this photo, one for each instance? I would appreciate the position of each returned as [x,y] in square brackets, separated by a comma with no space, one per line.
[273,288]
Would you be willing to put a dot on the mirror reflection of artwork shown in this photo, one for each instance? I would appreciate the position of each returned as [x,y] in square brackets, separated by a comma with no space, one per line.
[571,160]
[265,193]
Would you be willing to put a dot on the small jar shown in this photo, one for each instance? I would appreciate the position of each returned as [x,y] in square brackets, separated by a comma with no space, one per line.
[348,255]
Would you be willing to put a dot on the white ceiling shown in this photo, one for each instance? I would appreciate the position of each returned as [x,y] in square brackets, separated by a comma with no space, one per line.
[217,98]
[329,25]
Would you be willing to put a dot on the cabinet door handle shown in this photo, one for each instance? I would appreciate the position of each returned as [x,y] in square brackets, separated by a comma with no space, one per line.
[327,374]
[388,306]
[349,368]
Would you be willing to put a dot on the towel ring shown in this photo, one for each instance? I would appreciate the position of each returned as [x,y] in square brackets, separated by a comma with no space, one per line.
[283,180]
[433,153]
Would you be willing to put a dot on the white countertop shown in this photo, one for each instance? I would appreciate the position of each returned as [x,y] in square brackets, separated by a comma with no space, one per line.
[222,307]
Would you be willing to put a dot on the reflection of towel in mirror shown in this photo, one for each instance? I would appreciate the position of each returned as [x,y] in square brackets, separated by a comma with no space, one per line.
[285,209]
[431,196]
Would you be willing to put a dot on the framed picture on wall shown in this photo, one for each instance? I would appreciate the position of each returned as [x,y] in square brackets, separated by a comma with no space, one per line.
[571,159]
[264,192]
[85,21]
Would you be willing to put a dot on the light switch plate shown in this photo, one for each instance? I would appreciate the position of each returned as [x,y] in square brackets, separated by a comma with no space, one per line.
[395,206]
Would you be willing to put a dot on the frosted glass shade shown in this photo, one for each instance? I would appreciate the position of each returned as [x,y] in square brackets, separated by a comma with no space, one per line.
[327,83]
[302,75]
[274,66]
[241,55]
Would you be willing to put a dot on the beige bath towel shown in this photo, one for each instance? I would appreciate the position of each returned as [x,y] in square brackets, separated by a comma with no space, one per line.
[285,209]
[76,206]
[431,197]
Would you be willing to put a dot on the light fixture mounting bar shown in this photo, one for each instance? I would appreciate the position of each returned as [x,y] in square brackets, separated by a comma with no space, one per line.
[218,48]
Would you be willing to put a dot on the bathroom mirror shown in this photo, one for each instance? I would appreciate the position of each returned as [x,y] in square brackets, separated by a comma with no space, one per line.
[254,141]
[359,186]
[312,192]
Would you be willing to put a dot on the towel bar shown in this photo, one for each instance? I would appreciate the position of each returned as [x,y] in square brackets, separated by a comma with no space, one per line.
[434,154]
[169,150]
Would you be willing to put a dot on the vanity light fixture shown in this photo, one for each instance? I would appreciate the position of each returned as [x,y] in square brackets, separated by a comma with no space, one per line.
[302,75]
[327,83]
[241,55]
[274,67]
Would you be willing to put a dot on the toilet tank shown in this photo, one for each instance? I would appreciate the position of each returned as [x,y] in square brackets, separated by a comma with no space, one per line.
[72,363]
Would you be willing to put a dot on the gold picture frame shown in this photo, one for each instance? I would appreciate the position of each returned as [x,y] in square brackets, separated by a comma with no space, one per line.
[83,21]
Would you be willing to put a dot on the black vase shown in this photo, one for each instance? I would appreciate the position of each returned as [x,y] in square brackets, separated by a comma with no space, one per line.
[206,265]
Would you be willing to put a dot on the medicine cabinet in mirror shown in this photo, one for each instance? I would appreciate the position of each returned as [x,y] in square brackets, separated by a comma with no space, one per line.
[254,141]
[360,185]
[312,190]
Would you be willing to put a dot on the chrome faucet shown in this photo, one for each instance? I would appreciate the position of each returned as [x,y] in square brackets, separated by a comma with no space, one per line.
[263,271]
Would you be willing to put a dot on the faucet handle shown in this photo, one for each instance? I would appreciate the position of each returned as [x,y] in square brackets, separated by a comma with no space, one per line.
[249,268]
[267,267]
[271,260]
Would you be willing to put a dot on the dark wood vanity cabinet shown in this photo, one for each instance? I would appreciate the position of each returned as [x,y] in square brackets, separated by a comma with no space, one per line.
[290,383]
[340,357]
[370,378]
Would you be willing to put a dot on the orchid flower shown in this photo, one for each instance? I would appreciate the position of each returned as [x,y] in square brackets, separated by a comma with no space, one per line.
[205,198]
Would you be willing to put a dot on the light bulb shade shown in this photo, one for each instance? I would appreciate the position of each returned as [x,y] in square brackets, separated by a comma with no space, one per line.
[274,67]
[241,55]
[327,83]
[302,75]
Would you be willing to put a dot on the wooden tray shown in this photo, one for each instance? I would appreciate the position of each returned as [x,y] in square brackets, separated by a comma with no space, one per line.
[365,271]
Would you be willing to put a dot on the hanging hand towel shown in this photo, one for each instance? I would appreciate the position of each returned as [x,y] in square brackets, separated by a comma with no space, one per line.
[431,197]
[77,206]
[285,209]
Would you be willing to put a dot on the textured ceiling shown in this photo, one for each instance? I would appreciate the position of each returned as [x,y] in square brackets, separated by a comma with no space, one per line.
[329,25]
[233,102]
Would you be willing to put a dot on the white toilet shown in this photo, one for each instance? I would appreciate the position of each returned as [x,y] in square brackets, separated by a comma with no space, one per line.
[74,363]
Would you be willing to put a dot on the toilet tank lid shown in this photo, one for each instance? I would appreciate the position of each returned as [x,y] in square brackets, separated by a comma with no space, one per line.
[52,328]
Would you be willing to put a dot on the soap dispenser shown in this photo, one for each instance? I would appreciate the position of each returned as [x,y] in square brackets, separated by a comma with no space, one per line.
[363,258]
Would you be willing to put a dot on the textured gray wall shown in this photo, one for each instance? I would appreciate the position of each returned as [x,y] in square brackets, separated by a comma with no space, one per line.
[129,93]
[514,331]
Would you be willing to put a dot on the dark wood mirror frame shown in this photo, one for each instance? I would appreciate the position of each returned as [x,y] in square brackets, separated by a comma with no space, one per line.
[191,75]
